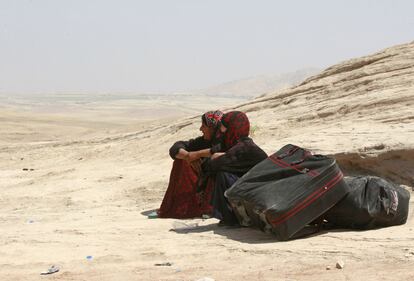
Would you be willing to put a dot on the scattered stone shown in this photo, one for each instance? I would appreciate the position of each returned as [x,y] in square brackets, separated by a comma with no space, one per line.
[328,267]
[51,270]
[25,169]
[80,159]
[178,226]
[340,264]
[31,169]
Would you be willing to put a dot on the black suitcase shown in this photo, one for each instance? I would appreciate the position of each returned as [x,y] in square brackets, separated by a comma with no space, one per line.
[287,191]
[372,202]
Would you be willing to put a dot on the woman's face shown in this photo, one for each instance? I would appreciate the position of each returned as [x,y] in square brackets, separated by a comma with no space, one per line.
[207,131]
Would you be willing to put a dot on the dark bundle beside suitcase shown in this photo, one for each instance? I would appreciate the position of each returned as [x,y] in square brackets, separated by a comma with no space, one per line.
[372,202]
[287,191]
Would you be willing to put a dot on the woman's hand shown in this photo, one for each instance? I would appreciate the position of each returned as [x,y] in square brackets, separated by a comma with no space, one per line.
[188,156]
[192,156]
[217,155]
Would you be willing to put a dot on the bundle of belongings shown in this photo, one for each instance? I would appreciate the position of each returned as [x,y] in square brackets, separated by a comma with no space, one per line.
[293,189]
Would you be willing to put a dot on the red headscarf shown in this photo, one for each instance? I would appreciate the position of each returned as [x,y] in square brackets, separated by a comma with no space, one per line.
[237,125]
[212,118]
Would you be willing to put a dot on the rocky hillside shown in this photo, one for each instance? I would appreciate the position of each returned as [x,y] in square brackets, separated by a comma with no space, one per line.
[360,110]
[363,106]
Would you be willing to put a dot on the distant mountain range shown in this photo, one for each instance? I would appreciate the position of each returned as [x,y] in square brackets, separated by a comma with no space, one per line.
[259,85]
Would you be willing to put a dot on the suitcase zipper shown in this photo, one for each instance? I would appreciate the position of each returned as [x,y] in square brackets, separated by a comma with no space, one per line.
[309,200]
[283,164]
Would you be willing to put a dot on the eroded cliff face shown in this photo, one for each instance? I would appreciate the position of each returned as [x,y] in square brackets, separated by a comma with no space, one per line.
[360,110]
[359,86]
[363,106]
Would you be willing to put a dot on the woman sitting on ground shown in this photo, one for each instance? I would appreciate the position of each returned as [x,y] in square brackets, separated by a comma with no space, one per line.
[240,155]
[181,200]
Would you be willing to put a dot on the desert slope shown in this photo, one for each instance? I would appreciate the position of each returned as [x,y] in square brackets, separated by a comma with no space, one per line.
[363,106]
[72,197]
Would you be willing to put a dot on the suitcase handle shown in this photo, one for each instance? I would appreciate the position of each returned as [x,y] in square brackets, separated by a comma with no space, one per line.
[305,156]
[294,163]
[288,153]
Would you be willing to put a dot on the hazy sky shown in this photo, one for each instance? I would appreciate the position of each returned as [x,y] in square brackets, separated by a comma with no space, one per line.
[177,45]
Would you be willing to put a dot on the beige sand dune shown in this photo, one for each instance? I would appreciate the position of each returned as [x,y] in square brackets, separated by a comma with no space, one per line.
[90,183]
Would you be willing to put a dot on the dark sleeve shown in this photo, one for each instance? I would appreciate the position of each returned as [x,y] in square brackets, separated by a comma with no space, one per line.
[216,148]
[237,160]
[190,145]
[225,162]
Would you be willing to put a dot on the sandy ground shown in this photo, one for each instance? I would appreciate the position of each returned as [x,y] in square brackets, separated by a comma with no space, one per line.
[79,185]
[87,193]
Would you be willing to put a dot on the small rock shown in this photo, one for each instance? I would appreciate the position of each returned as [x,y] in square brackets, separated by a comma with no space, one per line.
[51,270]
[328,268]
[340,264]
[25,169]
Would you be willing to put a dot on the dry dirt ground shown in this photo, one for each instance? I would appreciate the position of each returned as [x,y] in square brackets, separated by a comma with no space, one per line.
[78,185]
[81,191]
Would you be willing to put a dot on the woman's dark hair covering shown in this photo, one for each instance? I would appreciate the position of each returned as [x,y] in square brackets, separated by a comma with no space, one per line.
[238,126]
[212,118]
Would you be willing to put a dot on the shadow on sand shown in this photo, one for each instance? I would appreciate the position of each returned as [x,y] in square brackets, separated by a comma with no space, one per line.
[252,235]
[248,235]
